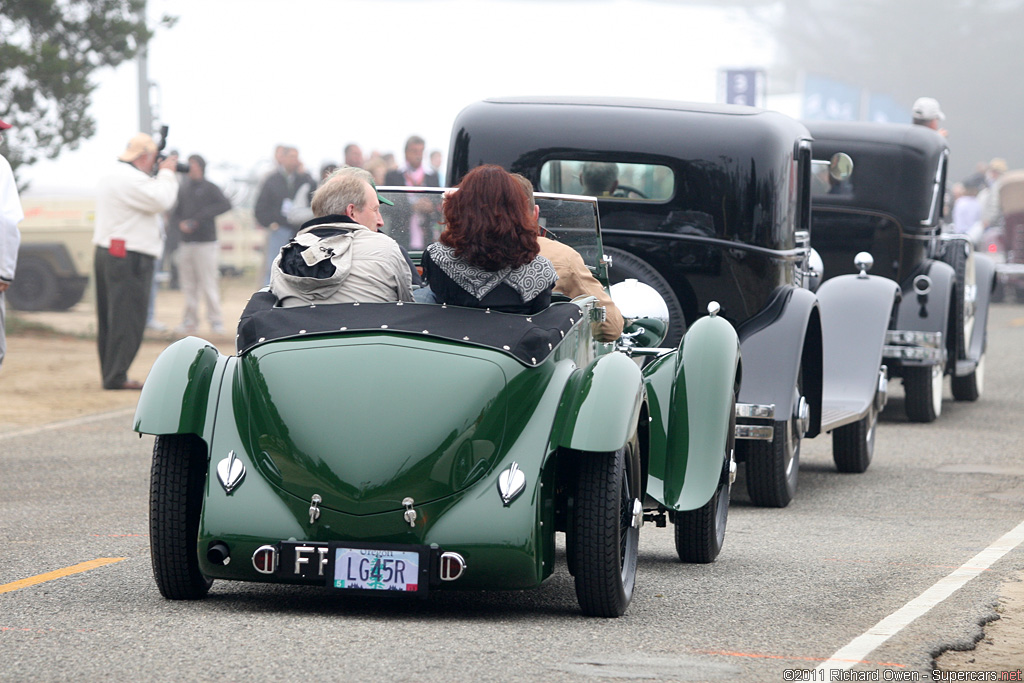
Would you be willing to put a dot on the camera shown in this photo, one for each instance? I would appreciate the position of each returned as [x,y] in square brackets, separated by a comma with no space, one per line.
[160,156]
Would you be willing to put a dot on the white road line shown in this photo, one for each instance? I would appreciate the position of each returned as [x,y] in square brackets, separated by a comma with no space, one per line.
[74,422]
[861,646]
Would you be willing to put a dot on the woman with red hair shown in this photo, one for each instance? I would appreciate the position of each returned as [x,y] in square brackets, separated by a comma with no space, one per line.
[488,255]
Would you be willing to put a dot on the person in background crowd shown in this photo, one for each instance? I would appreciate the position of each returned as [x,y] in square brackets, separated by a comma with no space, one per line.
[275,200]
[301,210]
[967,208]
[353,155]
[10,215]
[199,203]
[991,211]
[378,168]
[926,112]
[339,256]
[1011,207]
[488,255]
[128,242]
[414,174]
[435,166]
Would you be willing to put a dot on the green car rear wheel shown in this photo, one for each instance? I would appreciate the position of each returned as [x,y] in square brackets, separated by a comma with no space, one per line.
[175,503]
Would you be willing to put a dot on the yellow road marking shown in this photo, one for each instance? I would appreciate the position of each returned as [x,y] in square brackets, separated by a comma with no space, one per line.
[58,573]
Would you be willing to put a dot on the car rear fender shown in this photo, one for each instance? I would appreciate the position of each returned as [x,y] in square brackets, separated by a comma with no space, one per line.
[775,353]
[697,419]
[855,315]
[601,405]
[176,396]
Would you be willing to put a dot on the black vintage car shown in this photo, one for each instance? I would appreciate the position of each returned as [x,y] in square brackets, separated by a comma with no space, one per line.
[712,203]
[891,205]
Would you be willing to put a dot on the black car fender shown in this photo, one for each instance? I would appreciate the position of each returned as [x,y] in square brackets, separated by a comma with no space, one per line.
[985,279]
[777,344]
[855,314]
[928,312]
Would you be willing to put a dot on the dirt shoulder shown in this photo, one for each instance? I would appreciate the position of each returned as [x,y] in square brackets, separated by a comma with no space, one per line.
[51,371]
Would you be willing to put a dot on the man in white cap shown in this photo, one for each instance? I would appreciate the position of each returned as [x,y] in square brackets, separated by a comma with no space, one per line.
[927,113]
[129,240]
[10,215]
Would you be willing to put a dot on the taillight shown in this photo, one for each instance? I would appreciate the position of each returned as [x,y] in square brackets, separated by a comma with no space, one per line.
[265,559]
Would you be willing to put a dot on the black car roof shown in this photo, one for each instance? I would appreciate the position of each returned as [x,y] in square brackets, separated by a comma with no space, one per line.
[730,163]
[514,131]
[894,166]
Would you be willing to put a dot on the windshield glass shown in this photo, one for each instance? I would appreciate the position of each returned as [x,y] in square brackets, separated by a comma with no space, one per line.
[416,220]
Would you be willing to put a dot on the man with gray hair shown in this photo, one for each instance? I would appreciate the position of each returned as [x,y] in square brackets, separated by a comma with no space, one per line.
[339,256]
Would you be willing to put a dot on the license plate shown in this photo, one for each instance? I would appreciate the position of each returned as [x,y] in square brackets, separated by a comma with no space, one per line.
[377,569]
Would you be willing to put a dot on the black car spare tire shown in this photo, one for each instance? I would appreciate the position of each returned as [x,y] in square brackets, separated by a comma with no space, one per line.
[628,266]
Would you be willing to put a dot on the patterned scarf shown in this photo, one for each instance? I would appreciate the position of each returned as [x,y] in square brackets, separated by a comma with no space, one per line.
[528,280]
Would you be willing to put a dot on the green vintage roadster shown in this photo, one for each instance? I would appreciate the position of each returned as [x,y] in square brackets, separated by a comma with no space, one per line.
[413,447]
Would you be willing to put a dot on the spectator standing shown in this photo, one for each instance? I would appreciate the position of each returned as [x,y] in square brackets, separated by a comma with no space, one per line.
[967,208]
[414,174]
[275,201]
[10,215]
[435,166]
[128,241]
[199,204]
[353,155]
[991,211]
[926,112]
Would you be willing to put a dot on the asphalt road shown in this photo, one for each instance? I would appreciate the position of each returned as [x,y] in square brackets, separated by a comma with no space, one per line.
[791,588]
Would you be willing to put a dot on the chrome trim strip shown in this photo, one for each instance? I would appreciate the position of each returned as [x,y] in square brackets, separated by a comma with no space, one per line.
[912,353]
[756,410]
[931,340]
[755,432]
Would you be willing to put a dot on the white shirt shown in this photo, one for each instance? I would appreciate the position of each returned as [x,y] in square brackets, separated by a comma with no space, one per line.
[10,215]
[128,207]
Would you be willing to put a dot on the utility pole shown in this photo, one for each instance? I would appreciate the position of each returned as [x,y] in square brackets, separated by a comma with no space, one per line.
[145,111]
[145,108]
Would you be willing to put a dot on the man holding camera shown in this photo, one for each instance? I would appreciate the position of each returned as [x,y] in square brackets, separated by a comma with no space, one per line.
[130,201]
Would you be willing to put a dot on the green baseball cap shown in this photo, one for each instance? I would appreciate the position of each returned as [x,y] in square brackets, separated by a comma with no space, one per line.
[382,199]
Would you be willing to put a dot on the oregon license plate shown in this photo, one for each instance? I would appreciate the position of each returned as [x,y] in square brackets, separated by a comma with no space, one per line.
[377,569]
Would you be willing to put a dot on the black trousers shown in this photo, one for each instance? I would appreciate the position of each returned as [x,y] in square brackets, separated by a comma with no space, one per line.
[122,302]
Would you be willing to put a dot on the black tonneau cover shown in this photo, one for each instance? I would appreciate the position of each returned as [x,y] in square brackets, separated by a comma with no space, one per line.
[530,339]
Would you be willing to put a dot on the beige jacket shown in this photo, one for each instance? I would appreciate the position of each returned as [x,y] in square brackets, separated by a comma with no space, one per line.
[575,279]
[368,266]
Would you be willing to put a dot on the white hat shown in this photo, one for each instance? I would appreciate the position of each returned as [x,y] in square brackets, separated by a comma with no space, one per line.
[139,144]
[927,109]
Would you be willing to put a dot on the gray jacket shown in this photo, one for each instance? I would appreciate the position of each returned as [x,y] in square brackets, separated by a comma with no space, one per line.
[335,260]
